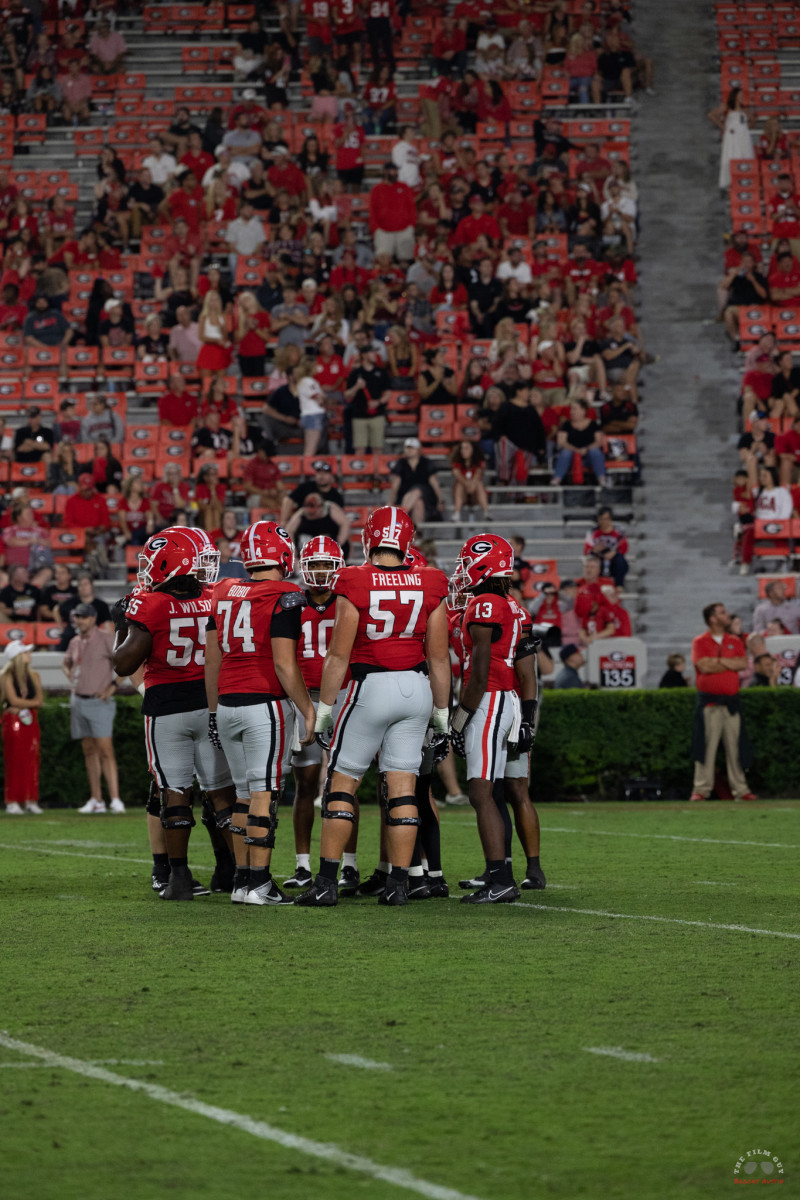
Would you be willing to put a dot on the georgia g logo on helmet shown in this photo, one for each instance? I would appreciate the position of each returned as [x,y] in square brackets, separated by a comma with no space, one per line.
[479,548]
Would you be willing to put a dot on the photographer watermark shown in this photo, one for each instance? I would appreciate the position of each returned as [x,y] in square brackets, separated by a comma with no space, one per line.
[758,1166]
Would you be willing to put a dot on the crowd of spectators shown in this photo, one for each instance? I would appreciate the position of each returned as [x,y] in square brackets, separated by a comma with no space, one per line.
[291,306]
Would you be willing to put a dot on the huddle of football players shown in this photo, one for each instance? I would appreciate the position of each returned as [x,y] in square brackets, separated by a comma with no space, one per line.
[247,680]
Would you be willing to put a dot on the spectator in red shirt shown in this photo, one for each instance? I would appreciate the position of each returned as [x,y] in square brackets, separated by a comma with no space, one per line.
[196,159]
[784,282]
[718,657]
[348,138]
[612,613]
[88,510]
[392,216]
[787,447]
[470,228]
[784,207]
[12,313]
[183,249]
[262,480]
[178,407]
[516,217]
[170,494]
[188,202]
[252,335]
[581,273]
[285,175]
[449,48]
[609,545]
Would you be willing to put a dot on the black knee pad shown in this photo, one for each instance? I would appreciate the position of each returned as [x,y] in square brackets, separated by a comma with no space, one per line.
[240,809]
[153,806]
[402,802]
[338,814]
[176,816]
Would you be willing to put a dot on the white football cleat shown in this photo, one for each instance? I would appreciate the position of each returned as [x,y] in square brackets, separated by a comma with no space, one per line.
[33,807]
[93,806]
[14,809]
[116,806]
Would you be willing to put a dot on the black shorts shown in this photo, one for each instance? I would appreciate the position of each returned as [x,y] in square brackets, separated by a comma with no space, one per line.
[348,39]
[351,175]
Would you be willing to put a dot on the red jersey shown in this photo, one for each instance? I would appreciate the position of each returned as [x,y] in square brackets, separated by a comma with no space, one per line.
[315,634]
[527,625]
[378,94]
[455,636]
[725,683]
[348,155]
[174,670]
[588,599]
[330,373]
[598,541]
[318,20]
[346,17]
[377,9]
[784,222]
[506,624]
[394,605]
[613,614]
[247,614]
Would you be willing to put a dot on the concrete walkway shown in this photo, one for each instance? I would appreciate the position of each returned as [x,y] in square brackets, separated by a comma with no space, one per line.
[688,410]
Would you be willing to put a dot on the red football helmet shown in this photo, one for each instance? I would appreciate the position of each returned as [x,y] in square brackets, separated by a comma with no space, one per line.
[267,544]
[207,551]
[165,555]
[414,558]
[387,528]
[482,556]
[320,559]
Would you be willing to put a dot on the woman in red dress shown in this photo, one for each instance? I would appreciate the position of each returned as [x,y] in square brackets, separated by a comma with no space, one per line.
[22,697]
[212,329]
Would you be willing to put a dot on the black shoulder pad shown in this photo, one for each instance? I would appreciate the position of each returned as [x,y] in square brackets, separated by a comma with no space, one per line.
[292,599]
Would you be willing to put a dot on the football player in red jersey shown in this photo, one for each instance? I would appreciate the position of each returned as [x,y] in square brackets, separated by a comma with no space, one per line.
[320,560]
[252,681]
[163,628]
[489,716]
[390,628]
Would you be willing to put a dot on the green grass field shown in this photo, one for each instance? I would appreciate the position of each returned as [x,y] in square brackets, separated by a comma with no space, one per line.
[483,1019]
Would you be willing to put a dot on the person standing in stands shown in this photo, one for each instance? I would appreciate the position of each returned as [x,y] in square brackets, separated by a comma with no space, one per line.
[718,657]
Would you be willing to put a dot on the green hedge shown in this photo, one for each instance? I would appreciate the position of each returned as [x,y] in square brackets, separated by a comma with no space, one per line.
[588,743]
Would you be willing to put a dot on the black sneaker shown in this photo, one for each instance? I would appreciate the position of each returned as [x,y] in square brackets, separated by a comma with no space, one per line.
[419,887]
[301,878]
[478,881]
[159,880]
[200,889]
[349,880]
[323,893]
[222,879]
[493,893]
[375,885]
[180,887]
[438,887]
[395,892]
[534,880]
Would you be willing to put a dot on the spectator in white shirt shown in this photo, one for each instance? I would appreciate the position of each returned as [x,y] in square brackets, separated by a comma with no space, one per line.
[618,214]
[235,173]
[312,407]
[245,235]
[777,608]
[514,266]
[162,166]
[405,156]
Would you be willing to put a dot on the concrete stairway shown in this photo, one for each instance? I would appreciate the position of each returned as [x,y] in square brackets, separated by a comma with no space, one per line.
[689,413]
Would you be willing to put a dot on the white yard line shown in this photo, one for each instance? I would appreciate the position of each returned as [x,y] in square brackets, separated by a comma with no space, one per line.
[326,1151]
[715,883]
[44,848]
[599,912]
[670,837]
[94,1062]
[355,1060]
[618,1052]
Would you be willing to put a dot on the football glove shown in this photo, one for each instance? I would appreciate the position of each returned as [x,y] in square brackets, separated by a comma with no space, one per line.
[439,747]
[213,733]
[118,614]
[458,727]
[323,726]
[527,729]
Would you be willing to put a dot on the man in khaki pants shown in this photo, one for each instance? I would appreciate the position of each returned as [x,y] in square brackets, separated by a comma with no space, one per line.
[718,657]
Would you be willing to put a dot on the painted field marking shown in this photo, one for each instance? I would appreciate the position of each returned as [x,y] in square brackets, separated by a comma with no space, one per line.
[326,1151]
[355,1060]
[618,1052]
[658,837]
[95,1062]
[715,883]
[599,912]
[117,858]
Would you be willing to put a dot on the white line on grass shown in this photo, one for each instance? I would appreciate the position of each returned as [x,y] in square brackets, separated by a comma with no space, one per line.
[94,1062]
[618,1052]
[225,1116]
[355,1060]
[715,883]
[671,837]
[117,858]
[599,912]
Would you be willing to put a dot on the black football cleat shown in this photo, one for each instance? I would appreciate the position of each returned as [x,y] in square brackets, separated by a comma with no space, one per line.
[159,880]
[477,881]
[180,886]
[534,880]
[419,887]
[323,893]
[222,879]
[493,893]
[199,888]
[395,892]
[375,885]
[349,881]
[301,879]
[438,887]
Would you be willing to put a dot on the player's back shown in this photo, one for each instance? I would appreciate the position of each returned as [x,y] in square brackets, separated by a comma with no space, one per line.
[174,669]
[247,614]
[497,612]
[394,604]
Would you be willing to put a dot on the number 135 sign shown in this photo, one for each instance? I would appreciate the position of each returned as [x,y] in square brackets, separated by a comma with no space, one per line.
[617,670]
